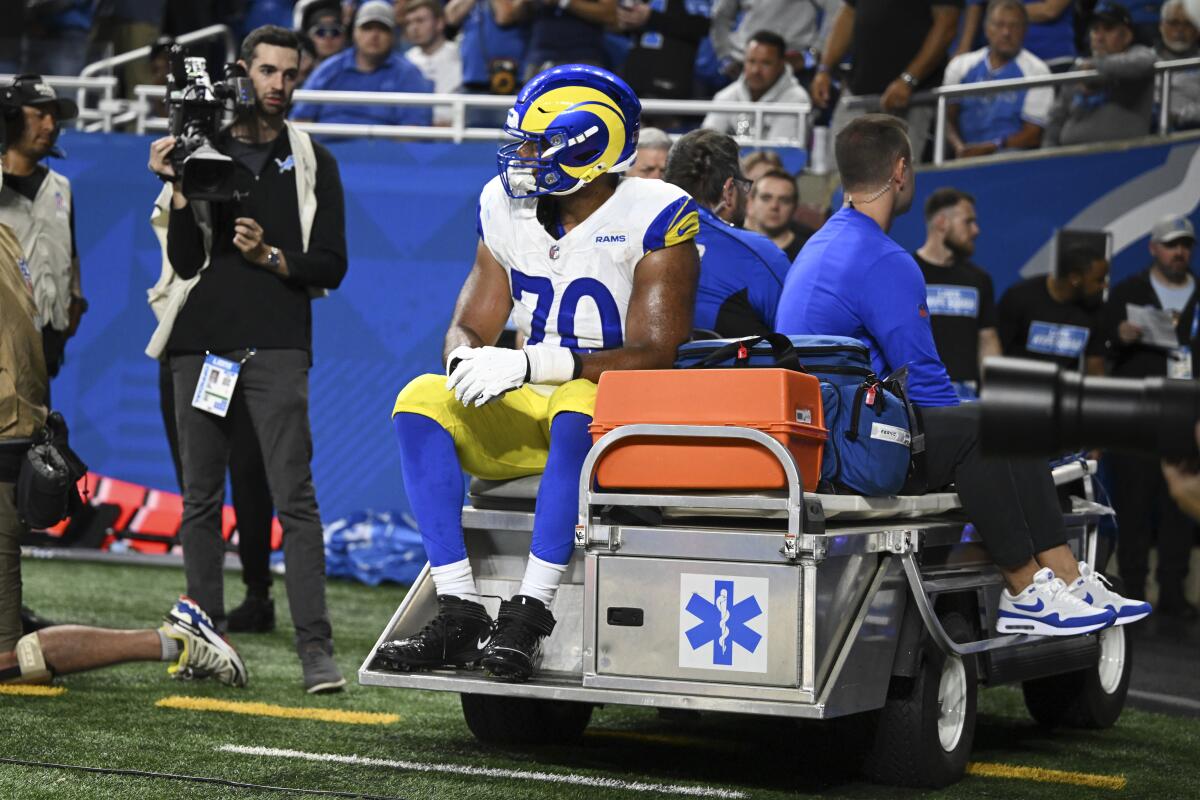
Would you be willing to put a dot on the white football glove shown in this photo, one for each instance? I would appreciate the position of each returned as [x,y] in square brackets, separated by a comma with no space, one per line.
[485,373]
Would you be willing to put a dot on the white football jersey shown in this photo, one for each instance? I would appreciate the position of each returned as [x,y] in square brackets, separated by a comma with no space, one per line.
[574,291]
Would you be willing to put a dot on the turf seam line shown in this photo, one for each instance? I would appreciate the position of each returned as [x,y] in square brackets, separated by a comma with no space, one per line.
[490,772]
[1042,775]
[283,712]
[137,773]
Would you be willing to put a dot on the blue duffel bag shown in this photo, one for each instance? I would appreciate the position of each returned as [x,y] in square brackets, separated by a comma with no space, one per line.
[870,424]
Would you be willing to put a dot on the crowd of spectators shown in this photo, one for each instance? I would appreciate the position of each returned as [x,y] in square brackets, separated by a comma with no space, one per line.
[848,56]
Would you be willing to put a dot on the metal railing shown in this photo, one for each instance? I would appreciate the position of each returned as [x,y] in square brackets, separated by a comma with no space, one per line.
[459,104]
[944,95]
[100,117]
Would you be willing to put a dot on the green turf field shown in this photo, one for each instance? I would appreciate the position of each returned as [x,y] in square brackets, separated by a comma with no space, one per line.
[110,719]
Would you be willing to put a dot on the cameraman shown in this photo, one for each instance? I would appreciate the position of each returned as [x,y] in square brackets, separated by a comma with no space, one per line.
[1145,511]
[36,204]
[247,270]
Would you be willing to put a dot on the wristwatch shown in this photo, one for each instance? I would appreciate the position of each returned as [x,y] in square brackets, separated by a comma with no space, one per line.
[273,258]
[908,78]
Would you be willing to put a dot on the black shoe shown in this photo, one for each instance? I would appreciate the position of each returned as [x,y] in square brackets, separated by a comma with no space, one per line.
[1175,606]
[256,614]
[456,637]
[31,621]
[516,649]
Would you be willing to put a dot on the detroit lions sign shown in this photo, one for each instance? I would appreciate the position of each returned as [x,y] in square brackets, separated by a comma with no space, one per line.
[723,623]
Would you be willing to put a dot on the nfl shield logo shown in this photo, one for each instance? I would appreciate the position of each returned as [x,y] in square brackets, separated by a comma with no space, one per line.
[554,252]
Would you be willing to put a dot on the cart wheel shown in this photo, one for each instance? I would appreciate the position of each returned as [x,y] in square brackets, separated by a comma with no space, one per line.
[1089,698]
[924,732]
[521,720]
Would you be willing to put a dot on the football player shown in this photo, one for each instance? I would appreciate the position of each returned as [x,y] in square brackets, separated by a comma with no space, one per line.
[597,275]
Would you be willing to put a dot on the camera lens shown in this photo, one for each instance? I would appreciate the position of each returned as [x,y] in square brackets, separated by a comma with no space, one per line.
[1035,408]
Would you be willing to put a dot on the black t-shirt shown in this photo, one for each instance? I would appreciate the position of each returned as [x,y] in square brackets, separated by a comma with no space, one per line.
[1032,324]
[961,303]
[888,34]
[28,186]
[664,52]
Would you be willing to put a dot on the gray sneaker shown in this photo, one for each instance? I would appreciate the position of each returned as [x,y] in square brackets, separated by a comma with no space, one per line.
[321,673]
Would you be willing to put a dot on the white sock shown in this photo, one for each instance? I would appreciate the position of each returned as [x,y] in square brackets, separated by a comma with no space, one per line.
[456,580]
[541,579]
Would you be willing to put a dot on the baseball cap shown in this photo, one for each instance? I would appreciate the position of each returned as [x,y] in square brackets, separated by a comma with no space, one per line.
[1111,13]
[31,90]
[1172,227]
[379,11]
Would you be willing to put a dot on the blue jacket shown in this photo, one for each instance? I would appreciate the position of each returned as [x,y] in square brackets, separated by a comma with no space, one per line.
[339,73]
[851,279]
[741,277]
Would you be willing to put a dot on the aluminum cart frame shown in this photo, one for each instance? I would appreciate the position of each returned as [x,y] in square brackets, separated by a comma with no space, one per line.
[856,592]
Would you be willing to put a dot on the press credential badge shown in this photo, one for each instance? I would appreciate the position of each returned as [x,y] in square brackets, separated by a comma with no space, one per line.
[214,390]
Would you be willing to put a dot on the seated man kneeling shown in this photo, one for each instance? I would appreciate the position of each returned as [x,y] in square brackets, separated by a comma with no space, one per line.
[603,275]
[852,280]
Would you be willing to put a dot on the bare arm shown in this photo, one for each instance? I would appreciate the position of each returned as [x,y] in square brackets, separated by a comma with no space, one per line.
[509,12]
[1046,11]
[599,12]
[483,305]
[972,19]
[953,135]
[1094,365]
[457,10]
[838,41]
[660,313]
[989,345]
[1029,137]
[933,49]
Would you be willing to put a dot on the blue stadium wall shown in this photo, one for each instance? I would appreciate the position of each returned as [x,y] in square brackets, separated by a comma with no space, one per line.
[410,214]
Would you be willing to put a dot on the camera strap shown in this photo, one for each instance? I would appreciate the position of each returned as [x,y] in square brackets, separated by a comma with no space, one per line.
[218,379]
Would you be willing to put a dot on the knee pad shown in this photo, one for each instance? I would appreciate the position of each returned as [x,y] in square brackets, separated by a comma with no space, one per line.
[31,662]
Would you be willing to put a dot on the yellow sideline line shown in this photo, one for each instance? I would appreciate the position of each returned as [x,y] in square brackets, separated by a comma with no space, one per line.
[284,712]
[1046,775]
[32,690]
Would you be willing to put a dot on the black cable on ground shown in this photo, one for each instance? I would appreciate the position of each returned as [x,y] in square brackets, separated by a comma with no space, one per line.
[137,773]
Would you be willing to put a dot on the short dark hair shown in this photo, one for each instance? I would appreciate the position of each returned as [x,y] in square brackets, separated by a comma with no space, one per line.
[700,163]
[946,197]
[866,150]
[1077,260]
[780,175]
[1012,5]
[272,35]
[435,8]
[769,39]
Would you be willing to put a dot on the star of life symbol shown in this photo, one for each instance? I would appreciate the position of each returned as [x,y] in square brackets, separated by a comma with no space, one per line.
[723,623]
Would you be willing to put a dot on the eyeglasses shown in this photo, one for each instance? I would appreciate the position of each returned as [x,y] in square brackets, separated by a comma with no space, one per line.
[744,185]
[326,32]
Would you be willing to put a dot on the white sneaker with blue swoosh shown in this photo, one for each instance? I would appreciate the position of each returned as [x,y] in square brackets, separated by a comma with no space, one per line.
[1094,589]
[1048,607]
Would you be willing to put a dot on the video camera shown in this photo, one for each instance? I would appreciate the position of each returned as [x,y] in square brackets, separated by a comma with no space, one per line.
[197,106]
[1034,408]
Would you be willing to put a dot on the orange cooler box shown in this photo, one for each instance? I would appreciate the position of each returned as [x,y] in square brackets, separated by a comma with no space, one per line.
[782,403]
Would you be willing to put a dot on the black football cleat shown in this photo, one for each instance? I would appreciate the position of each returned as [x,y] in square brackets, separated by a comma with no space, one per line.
[456,637]
[516,648]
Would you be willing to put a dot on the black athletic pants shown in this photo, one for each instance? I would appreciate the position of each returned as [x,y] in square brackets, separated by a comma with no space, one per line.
[1146,514]
[247,479]
[1012,502]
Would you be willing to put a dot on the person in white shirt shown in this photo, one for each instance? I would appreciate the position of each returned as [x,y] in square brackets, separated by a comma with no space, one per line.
[766,78]
[438,58]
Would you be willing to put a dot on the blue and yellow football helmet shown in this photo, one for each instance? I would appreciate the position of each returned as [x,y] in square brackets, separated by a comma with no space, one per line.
[581,121]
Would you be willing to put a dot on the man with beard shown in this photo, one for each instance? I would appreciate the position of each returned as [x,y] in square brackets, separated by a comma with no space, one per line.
[851,279]
[36,204]
[962,307]
[238,318]
[1181,39]
[741,272]
[1145,512]
[1056,317]
[766,78]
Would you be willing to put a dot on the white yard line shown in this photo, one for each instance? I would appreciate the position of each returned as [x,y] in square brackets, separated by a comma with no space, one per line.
[490,772]
[1166,699]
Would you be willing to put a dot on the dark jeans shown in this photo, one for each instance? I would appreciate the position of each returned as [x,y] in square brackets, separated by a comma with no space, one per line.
[1146,513]
[11,531]
[1012,502]
[274,386]
[247,478]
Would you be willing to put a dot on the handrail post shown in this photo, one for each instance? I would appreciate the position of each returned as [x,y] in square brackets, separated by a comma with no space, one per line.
[1164,98]
[939,132]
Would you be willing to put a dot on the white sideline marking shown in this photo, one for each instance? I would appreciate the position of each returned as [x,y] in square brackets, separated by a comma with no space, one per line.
[1166,699]
[489,772]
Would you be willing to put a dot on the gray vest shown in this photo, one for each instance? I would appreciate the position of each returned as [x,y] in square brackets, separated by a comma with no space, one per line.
[43,227]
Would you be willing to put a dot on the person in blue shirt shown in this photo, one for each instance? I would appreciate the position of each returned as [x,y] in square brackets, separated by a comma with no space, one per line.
[369,66]
[851,279]
[493,36]
[741,272]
